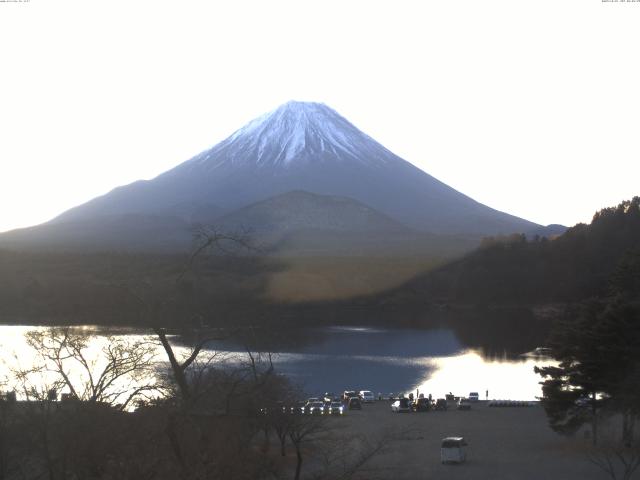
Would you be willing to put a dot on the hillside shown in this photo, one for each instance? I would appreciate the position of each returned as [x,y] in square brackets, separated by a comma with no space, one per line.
[512,270]
[300,210]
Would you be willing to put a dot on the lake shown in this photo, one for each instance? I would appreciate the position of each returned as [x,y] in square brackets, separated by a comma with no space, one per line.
[334,359]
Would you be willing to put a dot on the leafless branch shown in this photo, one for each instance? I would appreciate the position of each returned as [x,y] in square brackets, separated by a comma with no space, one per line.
[209,238]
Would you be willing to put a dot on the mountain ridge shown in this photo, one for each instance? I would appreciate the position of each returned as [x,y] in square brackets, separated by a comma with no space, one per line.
[308,147]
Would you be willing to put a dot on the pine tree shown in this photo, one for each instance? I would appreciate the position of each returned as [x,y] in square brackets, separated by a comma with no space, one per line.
[599,367]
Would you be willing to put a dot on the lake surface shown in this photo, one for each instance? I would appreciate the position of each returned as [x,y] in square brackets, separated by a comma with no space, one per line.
[334,359]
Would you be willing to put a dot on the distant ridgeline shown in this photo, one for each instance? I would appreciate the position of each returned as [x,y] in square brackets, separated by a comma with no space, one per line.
[586,261]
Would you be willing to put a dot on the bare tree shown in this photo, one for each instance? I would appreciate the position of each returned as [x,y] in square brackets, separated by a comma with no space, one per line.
[302,430]
[188,370]
[119,374]
[343,456]
[207,239]
[618,450]
[282,420]
[179,367]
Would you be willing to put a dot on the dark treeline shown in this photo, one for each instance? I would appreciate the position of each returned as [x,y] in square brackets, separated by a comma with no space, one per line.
[70,288]
[595,381]
[515,270]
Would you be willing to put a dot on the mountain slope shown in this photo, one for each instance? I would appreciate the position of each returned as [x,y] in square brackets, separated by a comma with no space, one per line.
[132,232]
[299,210]
[300,223]
[305,146]
[583,262]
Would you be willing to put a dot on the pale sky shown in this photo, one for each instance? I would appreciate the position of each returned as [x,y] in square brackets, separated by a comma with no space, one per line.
[531,107]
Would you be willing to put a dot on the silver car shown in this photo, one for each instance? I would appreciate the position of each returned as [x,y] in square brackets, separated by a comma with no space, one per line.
[314,408]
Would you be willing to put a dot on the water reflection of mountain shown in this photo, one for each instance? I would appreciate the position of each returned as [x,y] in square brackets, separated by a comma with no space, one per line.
[338,358]
[500,332]
[327,373]
[494,332]
[352,341]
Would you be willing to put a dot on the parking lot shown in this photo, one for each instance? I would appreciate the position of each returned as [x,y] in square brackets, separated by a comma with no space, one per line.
[504,443]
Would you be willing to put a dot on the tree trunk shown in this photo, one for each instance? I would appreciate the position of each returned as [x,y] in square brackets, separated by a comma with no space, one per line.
[625,429]
[170,431]
[267,441]
[594,420]
[299,463]
[283,451]
[47,452]
[178,372]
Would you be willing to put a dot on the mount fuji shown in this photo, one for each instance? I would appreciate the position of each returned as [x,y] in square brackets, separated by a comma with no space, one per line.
[300,147]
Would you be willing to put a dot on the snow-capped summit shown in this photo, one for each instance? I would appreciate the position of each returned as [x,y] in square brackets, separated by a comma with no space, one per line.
[307,147]
[296,131]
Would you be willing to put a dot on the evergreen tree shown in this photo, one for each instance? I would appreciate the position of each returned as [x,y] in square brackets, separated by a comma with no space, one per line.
[599,367]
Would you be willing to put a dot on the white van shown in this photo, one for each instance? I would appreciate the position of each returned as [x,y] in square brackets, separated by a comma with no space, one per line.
[453,450]
[367,396]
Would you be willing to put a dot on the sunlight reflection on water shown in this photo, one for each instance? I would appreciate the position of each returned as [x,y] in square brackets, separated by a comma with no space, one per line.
[381,360]
[470,372]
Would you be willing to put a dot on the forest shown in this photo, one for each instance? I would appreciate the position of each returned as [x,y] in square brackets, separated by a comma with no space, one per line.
[515,270]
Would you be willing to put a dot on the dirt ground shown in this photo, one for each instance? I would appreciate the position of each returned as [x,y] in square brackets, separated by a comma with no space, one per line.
[504,443]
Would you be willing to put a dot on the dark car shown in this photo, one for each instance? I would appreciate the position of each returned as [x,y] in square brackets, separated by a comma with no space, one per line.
[441,404]
[421,405]
[335,408]
[354,404]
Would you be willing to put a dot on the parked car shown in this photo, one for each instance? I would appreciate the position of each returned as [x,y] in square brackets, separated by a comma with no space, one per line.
[354,404]
[367,396]
[441,404]
[421,405]
[464,404]
[335,408]
[514,403]
[348,394]
[400,406]
[453,450]
[474,397]
[298,408]
[314,408]
[330,397]
[282,407]
[583,401]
